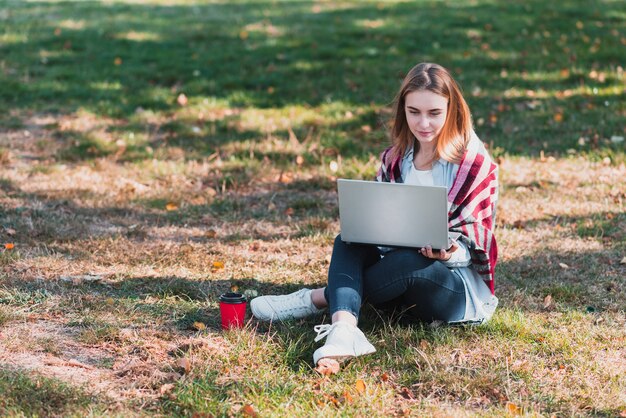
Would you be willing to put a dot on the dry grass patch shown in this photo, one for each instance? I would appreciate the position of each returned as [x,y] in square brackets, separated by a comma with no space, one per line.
[115,264]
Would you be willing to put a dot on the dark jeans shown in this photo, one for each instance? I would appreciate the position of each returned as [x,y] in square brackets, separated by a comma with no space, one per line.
[403,279]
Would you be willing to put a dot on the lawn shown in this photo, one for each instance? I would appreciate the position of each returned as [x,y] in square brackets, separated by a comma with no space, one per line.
[156,153]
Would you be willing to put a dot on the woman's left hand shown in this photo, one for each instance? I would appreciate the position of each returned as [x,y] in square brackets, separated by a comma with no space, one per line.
[441,255]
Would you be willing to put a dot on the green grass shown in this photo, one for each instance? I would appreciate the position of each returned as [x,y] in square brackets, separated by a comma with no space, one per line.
[25,395]
[281,98]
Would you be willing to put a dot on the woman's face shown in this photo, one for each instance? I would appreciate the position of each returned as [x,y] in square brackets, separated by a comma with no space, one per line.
[426,114]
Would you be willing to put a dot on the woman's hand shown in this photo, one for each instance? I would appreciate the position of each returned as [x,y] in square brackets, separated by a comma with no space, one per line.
[441,255]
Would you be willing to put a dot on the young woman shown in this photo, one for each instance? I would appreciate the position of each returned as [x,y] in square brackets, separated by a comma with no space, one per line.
[433,144]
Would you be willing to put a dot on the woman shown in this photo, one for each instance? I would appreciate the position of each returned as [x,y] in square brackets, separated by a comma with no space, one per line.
[433,144]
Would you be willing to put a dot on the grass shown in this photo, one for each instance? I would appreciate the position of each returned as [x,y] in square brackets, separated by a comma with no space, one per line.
[177,149]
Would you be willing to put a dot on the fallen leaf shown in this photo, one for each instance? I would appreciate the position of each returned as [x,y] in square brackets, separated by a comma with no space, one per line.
[423,344]
[327,367]
[182,99]
[199,326]
[513,408]
[218,265]
[184,364]
[563,266]
[10,231]
[211,233]
[9,246]
[109,301]
[347,398]
[360,386]
[623,414]
[234,288]
[558,117]
[117,61]
[623,261]
[170,207]
[289,211]
[384,377]
[406,393]
[547,302]
[249,411]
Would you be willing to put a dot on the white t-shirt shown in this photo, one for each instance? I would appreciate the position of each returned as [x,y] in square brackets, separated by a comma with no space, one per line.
[419,177]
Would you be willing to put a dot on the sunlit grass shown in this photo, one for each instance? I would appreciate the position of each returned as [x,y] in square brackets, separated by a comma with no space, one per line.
[178,149]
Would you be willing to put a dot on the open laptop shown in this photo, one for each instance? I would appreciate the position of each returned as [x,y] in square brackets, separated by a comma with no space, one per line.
[393,214]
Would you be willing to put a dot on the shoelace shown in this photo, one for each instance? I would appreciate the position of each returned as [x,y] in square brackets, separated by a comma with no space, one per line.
[322,331]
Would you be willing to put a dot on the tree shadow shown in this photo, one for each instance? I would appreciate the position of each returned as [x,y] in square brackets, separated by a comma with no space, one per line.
[114,59]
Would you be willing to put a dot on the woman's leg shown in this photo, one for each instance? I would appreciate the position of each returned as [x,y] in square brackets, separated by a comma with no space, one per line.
[344,295]
[426,286]
[345,277]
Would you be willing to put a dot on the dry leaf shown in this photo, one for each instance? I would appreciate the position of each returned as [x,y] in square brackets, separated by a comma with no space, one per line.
[623,261]
[199,326]
[9,246]
[170,206]
[423,344]
[117,61]
[558,117]
[109,301]
[547,302]
[289,211]
[384,377]
[248,410]
[218,265]
[327,366]
[10,231]
[563,266]
[211,233]
[513,408]
[347,397]
[182,99]
[234,288]
[184,364]
[360,386]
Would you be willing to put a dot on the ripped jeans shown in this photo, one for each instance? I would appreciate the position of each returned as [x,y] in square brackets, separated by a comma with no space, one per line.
[404,279]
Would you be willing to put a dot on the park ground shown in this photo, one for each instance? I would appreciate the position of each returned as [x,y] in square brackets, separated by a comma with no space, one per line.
[155,154]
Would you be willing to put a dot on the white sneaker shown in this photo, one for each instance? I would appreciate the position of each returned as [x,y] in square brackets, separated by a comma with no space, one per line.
[292,306]
[343,341]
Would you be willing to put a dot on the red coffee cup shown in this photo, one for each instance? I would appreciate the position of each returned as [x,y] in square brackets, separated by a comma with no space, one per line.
[233,310]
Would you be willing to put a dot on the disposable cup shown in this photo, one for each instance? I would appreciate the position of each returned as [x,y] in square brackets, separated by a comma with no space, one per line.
[232,310]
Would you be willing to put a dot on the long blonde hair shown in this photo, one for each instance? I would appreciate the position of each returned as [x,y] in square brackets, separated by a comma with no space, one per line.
[457,129]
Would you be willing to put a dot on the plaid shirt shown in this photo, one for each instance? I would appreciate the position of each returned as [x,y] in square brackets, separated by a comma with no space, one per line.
[471,200]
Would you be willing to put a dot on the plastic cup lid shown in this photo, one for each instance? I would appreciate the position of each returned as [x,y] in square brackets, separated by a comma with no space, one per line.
[232,297]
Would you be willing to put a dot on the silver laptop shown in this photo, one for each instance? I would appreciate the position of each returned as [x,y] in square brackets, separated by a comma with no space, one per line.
[393,214]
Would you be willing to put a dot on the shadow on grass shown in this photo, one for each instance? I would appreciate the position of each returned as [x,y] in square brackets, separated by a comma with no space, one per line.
[24,394]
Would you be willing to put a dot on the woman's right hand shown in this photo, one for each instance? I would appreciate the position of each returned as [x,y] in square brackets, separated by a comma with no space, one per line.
[441,255]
